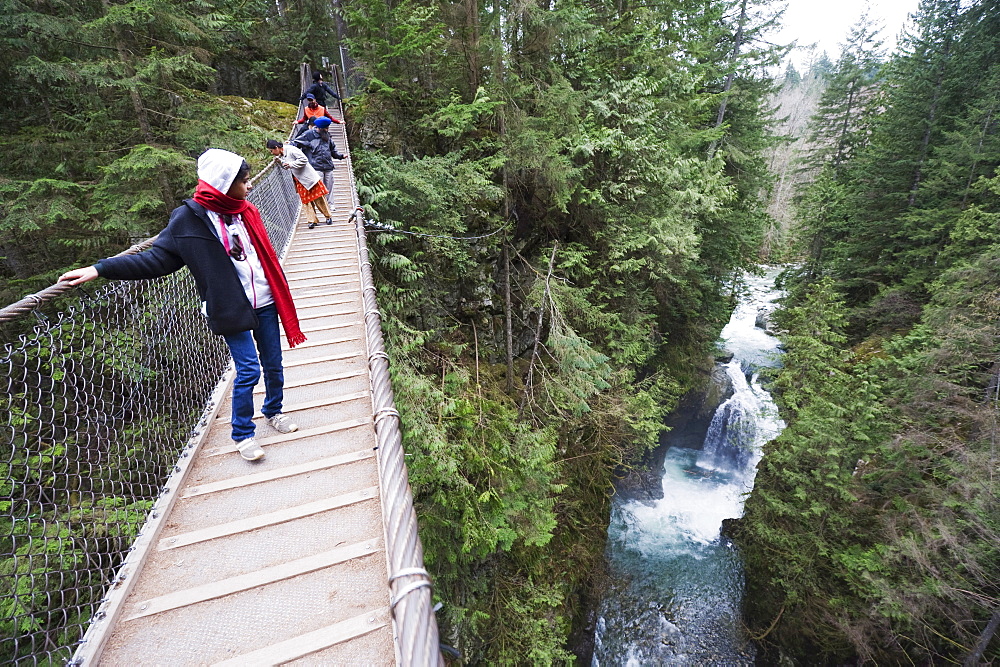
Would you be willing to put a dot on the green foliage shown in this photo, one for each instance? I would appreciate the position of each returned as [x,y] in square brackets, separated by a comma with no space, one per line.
[871,534]
[841,124]
[513,151]
[492,133]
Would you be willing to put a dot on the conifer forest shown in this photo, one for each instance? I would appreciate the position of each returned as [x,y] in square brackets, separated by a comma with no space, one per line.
[585,183]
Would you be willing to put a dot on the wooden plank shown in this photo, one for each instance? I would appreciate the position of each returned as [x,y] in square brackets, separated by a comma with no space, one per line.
[319,263]
[330,327]
[326,304]
[322,360]
[306,405]
[326,252]
[349,290]
[337,232]
[336,313]
[277,473]
[263,577]
[330,271]
[318,343]
[315,284]
[313,642]
[333,283]
[270,519]
[335,254]
[297,435]
[301,249]
[323,402]
[329,268]
[343,243]
[259,389]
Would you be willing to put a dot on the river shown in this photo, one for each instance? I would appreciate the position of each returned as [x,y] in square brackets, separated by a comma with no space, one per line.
[677,584]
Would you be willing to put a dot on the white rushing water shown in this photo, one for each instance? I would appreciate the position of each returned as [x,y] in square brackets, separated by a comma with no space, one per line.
[677,584]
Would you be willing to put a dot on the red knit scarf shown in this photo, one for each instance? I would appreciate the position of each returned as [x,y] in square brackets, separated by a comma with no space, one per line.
[213,200]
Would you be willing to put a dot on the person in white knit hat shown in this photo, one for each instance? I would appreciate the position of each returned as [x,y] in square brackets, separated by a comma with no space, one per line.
[221,238]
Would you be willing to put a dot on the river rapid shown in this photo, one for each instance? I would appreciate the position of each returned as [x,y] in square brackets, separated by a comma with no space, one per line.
[676,582]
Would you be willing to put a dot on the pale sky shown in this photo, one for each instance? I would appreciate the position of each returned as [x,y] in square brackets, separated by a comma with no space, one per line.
[827,22]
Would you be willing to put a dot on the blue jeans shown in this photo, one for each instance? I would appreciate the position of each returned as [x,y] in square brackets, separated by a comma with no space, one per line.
[248,367]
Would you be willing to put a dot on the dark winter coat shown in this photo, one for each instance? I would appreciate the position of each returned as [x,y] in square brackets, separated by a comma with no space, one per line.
[319,90]
[321,152]
[189,241]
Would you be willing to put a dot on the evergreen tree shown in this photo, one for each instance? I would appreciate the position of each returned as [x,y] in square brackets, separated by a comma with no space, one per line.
[587,129]
[792,76]
[919,89]
[842,122]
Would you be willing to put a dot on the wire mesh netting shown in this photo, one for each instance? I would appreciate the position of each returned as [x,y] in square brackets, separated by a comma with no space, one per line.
[97,402]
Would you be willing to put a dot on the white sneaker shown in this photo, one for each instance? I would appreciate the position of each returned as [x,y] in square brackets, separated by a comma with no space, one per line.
[282,424]
[250,450]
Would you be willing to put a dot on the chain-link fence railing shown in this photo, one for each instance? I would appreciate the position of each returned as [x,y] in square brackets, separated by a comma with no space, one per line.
[97,402]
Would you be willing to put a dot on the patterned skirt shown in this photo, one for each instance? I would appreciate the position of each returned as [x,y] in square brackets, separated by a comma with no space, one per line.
[307,196]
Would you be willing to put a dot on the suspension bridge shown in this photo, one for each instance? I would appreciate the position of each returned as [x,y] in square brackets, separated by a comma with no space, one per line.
[132,533]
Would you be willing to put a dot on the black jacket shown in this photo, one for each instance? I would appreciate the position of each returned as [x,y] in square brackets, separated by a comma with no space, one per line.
[189,241]
[321,153]
[319,90]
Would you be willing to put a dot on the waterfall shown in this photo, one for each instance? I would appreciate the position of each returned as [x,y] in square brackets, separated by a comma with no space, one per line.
[677,583]
[731,443]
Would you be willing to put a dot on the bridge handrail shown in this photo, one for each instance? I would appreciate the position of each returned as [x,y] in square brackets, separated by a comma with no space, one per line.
[410,584]
[98,400]
[31,302]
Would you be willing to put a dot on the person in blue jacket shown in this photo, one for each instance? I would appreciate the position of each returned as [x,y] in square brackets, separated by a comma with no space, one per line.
[320,150]
[319,89]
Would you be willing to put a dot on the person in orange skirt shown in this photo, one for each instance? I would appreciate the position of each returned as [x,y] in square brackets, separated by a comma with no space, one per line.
[308,182]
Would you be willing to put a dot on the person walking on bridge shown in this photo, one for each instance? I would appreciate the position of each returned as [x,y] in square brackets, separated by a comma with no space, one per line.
[220,237]
[319,90]
[308,183]
[318,146]
[312,112]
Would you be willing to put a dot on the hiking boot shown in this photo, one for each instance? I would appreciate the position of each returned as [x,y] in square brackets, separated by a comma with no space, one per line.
[250,450]
[282,424]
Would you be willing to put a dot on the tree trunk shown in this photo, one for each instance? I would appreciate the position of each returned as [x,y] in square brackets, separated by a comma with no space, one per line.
[501,131]
[975,161]
[471,44]
[925,141]
[508,321]
[729,78]
[841,152]
[984,640]
[932,111]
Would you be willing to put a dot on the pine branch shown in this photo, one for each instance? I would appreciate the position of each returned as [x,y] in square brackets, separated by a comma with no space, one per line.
[538,333]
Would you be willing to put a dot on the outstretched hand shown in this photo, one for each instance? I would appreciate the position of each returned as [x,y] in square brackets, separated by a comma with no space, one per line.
[79,276]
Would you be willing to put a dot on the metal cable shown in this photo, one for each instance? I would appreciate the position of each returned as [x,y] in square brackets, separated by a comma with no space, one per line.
[412,605]
[380,227]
